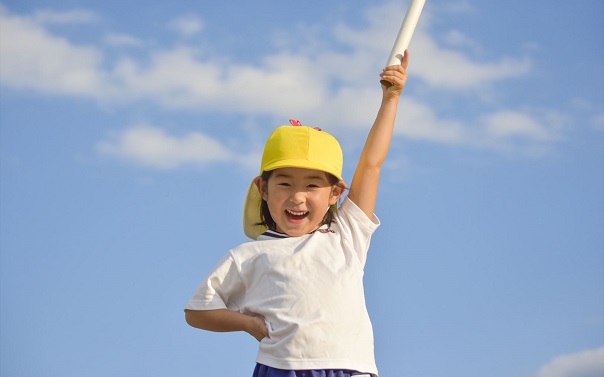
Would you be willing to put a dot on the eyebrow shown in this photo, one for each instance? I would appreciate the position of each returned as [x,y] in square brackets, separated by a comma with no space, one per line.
[313,177]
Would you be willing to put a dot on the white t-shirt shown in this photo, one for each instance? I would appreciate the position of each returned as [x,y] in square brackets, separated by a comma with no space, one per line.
[309,290]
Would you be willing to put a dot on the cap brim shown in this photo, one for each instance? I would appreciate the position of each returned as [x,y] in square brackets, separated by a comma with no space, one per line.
[304,164]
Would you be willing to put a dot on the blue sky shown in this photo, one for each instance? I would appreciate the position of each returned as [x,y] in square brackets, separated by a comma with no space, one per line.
[129,132]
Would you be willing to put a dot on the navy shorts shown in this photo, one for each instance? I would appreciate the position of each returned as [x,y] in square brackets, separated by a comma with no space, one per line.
[266,371]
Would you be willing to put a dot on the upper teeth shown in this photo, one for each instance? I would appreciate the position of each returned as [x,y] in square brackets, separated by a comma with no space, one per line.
[296,213]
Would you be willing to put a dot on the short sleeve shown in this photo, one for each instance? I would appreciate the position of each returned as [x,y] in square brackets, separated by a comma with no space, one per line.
[356,227]
[221,289]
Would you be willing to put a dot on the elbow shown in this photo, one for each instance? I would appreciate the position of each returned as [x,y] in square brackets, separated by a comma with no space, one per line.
[371,164]
[200,319]
[189,318]
[370,169]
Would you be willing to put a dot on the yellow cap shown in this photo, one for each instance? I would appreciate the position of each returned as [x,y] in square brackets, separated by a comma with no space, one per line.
[292,147]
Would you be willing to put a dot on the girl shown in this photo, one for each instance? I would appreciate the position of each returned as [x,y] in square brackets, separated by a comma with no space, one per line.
[298,288]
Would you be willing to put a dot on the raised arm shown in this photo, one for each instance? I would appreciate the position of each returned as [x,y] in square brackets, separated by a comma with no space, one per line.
[364,186]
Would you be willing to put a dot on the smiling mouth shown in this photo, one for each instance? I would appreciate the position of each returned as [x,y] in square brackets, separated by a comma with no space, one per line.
[296,215]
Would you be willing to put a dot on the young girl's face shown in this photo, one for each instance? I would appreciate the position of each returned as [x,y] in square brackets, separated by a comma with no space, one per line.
[298,199]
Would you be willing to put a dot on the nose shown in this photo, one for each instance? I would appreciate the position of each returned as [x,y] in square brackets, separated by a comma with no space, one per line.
[297,197]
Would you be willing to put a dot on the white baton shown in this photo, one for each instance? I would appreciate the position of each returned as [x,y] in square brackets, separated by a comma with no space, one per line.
[406,32]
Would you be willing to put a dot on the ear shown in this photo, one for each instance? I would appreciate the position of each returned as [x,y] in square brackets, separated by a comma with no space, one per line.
[336,192]
[261,185]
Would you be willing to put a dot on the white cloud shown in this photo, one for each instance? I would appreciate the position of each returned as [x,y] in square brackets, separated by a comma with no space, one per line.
[588,363]
[115,39]
[180,79]
[457,38]
[513,124]
[32,58]
[597,122]
[292,82]
[440,67]
[68,17]
[355,108]
[280,73]
[152,147]
[581,104]
[187,25]
[460,6]
[419,121]
[452,70]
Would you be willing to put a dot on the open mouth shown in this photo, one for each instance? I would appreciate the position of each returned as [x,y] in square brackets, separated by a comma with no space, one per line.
[296,215]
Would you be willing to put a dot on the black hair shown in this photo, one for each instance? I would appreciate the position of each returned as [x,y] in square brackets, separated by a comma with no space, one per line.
[265,214]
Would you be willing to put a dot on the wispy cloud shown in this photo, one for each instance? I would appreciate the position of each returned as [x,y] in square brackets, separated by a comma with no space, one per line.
[187,25]
[68,17]
[589,363]
[116,39]
[453,70]
[33,58]
[513,124]
[438,67]
[292,80]
[153,147]
[597,122]
[459,6]
[457,38]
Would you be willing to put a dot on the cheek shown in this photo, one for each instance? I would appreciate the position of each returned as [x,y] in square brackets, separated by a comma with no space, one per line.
[275,200]
[325,198]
